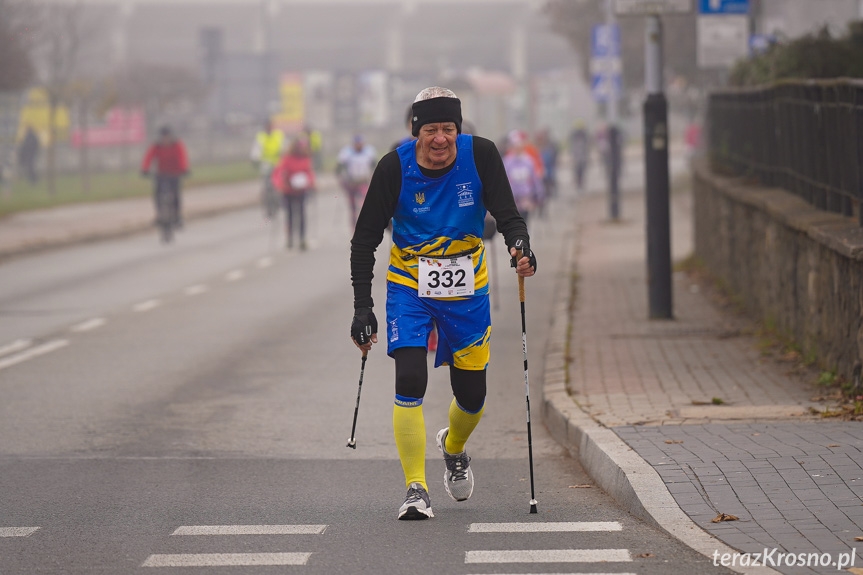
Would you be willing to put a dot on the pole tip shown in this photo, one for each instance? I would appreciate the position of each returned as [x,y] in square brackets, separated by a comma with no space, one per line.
[533,506]
[352,443]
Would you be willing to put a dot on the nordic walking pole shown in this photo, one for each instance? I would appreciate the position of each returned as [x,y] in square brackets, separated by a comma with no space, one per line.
[352,442]
[518,256]
[494,295]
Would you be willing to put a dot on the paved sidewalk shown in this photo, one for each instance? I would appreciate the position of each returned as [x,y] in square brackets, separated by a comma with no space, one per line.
[793,479]
[63,225]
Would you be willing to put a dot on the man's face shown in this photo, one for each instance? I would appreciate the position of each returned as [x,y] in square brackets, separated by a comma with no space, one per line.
[437,144]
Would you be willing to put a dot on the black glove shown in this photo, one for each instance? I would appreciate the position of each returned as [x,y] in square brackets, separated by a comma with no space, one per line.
[364,325]
[526,252]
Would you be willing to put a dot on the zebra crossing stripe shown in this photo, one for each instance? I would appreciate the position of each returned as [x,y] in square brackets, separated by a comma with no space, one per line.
[250,530]
[18,531]
[548,527]
[226,559]
[548,556]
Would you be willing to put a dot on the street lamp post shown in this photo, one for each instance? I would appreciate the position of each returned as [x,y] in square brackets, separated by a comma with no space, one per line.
[656,176]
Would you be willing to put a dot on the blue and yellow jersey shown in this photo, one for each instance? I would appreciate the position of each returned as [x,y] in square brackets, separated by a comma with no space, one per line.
[438,216]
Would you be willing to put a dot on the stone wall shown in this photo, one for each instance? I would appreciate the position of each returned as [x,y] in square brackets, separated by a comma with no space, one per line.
[793,265]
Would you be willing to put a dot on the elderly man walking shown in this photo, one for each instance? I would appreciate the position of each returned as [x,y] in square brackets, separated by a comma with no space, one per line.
[436,189]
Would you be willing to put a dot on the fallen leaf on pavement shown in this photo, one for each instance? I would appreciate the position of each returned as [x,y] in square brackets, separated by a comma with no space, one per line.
[646,555]
[580,486]
[696,402]
[855,571]
[724,517]
[858,539]
[834,445]
[672,441]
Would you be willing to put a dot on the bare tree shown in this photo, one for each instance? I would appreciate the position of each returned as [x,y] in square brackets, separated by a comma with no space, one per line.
[63,33]
[16,68]
[160,90]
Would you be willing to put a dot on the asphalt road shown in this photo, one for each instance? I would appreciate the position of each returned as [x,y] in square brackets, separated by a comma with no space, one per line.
[163,407]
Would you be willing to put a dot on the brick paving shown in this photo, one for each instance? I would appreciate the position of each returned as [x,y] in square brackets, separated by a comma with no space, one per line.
[794,480]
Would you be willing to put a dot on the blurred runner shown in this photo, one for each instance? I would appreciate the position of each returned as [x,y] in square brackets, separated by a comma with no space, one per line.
[313,137]
[548,150]
[354,171]
[295,178]
[579,150]
[28,153]
[523,177]
[168,154]
[267,150]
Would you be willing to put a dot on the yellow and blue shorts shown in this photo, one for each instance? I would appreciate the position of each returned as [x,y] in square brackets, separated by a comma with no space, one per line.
[464,326]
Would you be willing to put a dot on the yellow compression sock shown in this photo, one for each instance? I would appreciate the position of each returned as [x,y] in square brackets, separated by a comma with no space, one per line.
[410,431]
[461,425]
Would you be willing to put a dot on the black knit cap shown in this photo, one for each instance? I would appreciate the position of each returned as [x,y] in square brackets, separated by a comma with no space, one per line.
[434,110]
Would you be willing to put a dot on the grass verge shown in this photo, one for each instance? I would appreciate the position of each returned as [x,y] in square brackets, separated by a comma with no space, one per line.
[22,196]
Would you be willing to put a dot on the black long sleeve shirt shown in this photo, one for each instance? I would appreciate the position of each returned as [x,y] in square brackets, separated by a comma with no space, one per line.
[382,199]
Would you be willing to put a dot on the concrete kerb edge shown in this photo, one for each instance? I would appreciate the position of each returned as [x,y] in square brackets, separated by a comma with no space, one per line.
[615,467]
[126,230]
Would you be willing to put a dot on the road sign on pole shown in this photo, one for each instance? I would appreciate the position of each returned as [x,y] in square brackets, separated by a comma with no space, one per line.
[605,63]
[646,7]
[722,40]
[723,6]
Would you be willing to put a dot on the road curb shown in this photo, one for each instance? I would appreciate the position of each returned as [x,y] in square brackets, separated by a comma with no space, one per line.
[615,467]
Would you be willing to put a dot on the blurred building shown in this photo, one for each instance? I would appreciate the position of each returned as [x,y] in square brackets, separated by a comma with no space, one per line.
[347,65]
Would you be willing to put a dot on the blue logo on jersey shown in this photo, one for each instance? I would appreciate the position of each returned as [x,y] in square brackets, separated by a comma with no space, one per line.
[465,195]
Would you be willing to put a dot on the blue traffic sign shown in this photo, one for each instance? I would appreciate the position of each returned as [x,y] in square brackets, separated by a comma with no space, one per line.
[605,63]
[723,6]
[605,41]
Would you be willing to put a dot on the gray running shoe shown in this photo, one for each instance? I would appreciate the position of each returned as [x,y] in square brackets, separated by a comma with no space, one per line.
[417,504]
[458,477]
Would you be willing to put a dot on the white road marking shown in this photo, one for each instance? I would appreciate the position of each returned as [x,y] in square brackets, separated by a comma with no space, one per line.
[16,345]
[146,305]
[235,275]
[548,556]
[17,531]
[33,352]
[250,530]
[226,559]
[544,527]
[196,289]
[88,325]
[265,262]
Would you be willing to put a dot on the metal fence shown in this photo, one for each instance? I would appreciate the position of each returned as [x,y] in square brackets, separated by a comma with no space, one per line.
[803,136]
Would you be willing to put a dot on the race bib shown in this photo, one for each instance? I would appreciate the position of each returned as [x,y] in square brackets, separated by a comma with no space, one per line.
[449,277]
[300,181]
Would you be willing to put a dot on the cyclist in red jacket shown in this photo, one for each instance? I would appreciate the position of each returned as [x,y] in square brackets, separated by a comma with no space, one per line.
[169,155]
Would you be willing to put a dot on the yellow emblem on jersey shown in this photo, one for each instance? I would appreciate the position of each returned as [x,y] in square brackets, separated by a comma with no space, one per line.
[420,197]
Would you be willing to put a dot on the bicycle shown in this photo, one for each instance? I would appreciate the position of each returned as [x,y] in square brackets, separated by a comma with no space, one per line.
[167,199]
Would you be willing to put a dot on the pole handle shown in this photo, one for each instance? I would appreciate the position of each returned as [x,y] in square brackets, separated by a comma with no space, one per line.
[518,256]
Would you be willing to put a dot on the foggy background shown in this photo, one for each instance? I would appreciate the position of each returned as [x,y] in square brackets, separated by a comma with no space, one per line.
[215,69]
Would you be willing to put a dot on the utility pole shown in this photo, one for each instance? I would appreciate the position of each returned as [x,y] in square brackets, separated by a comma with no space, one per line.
[656,176]
[613,135]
